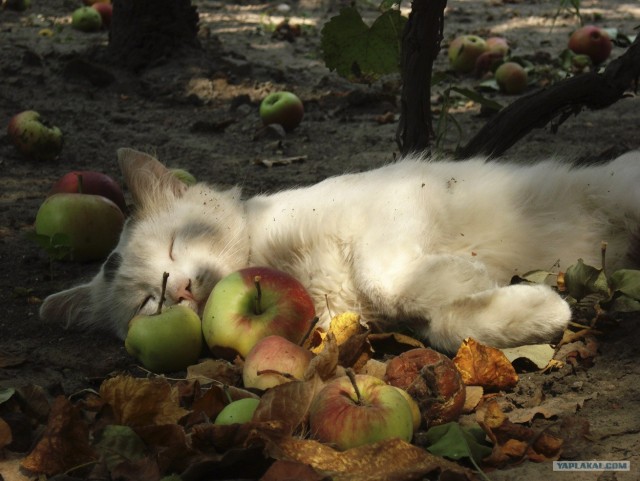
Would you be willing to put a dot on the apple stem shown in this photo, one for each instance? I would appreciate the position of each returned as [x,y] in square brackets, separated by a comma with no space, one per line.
[165,277]
[314,321]
[352,377]
[80,184]
[257,307]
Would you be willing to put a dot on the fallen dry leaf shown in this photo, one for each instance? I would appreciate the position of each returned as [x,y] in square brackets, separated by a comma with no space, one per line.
[142,402]
[325,363]
[64,443]
[291,470]
[537,354]
[473,395]
[288,403]
[567,404]
[485,366]
[215,370]
[393,343]
[391,460]
[513,443]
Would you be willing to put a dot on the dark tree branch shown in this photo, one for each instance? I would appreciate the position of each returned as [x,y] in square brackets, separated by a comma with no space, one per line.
[561,100]
[420,46]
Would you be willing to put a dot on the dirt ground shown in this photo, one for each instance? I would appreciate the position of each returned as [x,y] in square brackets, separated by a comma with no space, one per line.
[199,112]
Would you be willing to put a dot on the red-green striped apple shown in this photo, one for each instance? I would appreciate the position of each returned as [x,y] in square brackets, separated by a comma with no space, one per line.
[253,303]
[592,41]
[463,52]
[90,182]
[346,416]
[284,108]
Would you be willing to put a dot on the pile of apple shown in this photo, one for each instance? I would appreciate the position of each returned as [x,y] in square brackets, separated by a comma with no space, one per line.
[473,54]
[263,316]
[87,209]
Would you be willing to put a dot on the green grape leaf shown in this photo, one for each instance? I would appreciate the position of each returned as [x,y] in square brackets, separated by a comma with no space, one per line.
[626,281]
[455,442]
[361,53]
[582,279]
[118,444]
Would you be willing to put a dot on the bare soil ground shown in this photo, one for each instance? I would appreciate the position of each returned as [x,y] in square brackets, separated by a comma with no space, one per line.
[199,112]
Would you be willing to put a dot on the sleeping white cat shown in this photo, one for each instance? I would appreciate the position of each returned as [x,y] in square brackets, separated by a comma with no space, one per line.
[429,243]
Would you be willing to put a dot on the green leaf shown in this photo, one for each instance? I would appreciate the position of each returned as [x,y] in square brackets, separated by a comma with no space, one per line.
[582,280]
[626,281]
[57,246]
[478,98]
[6,393]
[455,442]
[357,51]
[118,444]
[623,303]
[537,277]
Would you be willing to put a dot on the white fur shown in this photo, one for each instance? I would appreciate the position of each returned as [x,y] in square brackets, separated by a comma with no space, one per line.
[430,243]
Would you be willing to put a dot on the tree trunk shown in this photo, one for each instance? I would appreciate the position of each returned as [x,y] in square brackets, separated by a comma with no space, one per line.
[562,99]
[145,32]
[420,46]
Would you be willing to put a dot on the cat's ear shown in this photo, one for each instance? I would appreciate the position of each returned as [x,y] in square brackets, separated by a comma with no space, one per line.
[148,180]
[70,307]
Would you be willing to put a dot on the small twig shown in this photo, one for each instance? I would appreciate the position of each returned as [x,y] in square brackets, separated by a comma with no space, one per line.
[165,277]
[257,307]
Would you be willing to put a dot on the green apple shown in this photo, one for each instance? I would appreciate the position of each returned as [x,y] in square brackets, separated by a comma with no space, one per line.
[512,78]
[416,415]
[167,341]
[90,223]
[463,52]
[354,410]
[237,412]
[253,303]
[184,176]
[274,360]
[86,19]
[90,182]
[34,137]
[592,41]
[284,108]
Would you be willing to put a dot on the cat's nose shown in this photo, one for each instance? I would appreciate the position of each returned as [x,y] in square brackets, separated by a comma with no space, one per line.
[183,293]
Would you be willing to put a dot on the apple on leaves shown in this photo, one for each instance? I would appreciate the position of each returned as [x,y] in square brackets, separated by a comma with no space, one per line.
[238,411]
[592,41]
[274,360]
[354,410]
[168,340]
[284,108]
[253,303]
[91,224]
[90,182]
[34,137]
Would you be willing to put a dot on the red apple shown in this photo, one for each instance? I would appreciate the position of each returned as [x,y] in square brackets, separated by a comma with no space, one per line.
[274,360]
[592,41]
[345,417]
[487,62]
[512,78]
[498,44]
[463,52]
[253,303]
[106,12]
[90,223]
[34,137]
[95,183]
[284,108]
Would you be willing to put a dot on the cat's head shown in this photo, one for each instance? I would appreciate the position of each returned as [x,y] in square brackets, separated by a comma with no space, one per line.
[195,233]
